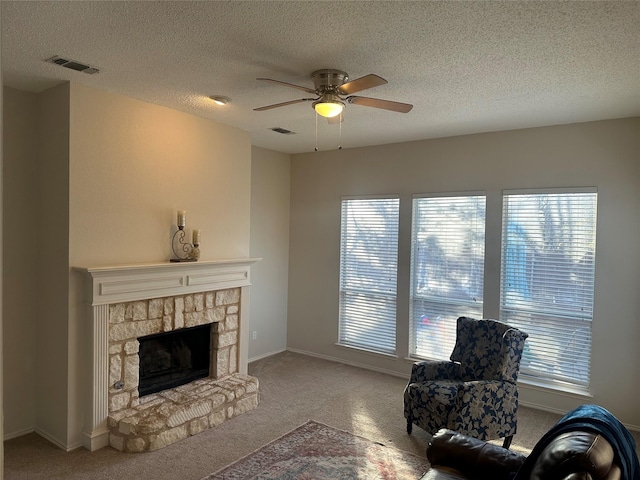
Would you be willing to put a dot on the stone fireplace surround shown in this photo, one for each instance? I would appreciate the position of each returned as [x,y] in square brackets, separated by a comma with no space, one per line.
[121,299]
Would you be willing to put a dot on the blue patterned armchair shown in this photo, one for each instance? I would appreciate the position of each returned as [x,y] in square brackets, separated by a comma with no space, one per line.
[475,393]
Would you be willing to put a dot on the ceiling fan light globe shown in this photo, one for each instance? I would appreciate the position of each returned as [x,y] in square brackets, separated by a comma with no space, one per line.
[328,109]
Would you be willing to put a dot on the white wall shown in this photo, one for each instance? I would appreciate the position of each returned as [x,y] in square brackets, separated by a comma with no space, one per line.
[603,154]
[270,192]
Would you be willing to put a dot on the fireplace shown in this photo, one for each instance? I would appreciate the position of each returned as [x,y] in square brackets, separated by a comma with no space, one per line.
[128,304]
[171,341]
[174,358]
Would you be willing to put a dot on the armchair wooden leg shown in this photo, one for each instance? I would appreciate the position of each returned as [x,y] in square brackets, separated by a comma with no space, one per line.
[507,442]
[409,426]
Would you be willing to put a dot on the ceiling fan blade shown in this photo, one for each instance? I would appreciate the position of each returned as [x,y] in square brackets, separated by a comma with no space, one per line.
[378,103]
[362,83]
[283,104]
[304,89]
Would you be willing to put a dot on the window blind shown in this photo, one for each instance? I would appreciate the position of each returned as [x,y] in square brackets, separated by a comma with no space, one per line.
[547,280]
[447,270]
[368,273]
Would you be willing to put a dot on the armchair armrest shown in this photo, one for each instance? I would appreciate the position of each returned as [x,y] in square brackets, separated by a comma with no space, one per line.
[434,370]
[472,457]
[487,394]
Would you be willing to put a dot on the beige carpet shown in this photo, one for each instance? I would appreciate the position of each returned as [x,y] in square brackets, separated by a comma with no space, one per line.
[294,389]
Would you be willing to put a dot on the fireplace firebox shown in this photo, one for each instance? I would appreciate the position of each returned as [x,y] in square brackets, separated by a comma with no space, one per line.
[175,358]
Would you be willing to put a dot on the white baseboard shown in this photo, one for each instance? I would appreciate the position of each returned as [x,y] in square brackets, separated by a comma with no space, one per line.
[542,408]
[346,362]
[55,441]
[43,434]
[265,355]
[20,433]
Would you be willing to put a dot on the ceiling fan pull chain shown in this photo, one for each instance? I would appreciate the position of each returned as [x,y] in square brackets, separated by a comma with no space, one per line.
[340,133]
[316,149]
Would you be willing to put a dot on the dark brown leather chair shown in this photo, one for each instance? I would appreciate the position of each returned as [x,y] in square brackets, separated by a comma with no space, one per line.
[573,455]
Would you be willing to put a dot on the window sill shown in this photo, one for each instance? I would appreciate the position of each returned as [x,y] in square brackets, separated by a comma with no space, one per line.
[425,359]
[555,387]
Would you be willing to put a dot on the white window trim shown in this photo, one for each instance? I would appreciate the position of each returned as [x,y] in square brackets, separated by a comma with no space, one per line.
[552,191]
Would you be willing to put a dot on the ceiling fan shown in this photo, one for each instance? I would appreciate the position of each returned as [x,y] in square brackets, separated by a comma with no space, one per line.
[333,91]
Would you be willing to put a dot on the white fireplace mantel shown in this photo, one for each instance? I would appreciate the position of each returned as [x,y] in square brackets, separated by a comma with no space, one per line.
[106,285]
[126,283]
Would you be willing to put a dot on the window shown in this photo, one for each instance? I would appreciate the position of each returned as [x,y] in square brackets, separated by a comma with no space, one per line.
[447,270]
[547,280]
[368,273]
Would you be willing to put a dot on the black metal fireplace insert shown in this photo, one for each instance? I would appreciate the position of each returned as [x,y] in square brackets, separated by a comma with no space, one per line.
[171,359]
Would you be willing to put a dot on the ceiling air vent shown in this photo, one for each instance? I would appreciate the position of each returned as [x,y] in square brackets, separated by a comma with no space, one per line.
[283,131]
[73,65]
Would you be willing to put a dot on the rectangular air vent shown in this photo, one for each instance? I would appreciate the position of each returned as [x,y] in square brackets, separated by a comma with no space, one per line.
[283,131]
[73,65]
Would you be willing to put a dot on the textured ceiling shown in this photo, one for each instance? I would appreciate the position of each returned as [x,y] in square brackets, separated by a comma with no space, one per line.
[467,67]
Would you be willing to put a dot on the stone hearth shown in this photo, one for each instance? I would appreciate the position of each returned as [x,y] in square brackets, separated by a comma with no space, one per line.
[128,302]
[162,418]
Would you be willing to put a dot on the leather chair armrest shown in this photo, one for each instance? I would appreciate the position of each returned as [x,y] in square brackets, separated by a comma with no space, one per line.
[576,453]
[474,458]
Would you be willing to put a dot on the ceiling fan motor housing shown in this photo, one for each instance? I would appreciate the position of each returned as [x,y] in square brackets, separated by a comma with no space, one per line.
[328,80]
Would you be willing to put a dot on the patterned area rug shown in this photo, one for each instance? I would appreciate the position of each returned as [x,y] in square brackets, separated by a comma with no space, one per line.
[315,451]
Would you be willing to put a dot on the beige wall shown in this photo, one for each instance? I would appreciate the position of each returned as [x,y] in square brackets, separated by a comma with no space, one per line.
[35,269]
[52,253]
[132,166]
[19,258]
[1,268]
[603,154]
[111,173]
[270,192]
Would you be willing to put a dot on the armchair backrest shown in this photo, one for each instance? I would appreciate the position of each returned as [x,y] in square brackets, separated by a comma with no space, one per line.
[488,349]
